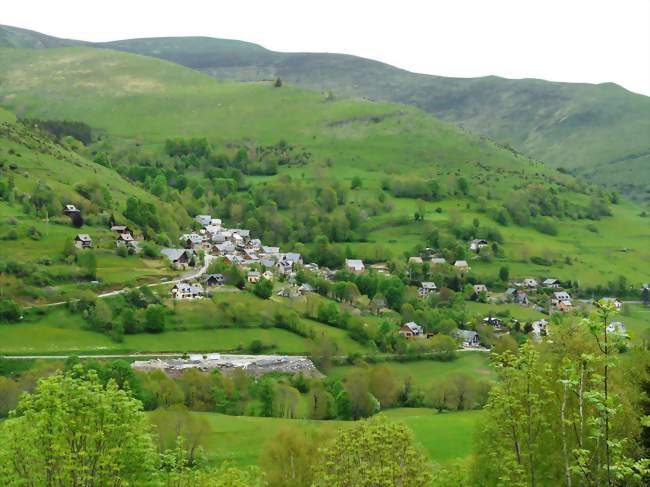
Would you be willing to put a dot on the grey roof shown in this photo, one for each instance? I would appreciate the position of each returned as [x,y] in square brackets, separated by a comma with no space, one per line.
[550,281]
[438,260]
[414,327]
[185,287]
[173,254]
[428,285]
[291,257]
[510,291]
[466,335]
[195,238]
[270,250]
[84,237]
[127,237]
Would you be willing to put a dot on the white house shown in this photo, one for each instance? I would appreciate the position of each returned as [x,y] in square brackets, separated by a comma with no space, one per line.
[354,265]
[469,338]
[480,288]
[83,241]
[438,261]
[530,282]
[478,244]
[426,288]
[614,302]
[411,329]
[555,283]
[415,260]
[540,328]
[184,290]
[462,265]
[253,277]
[204,220]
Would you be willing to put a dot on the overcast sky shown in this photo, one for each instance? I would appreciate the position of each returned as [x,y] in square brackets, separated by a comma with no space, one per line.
[590,41]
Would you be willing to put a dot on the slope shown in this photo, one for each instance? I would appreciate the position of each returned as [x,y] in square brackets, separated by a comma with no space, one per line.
[37,177]
[599,131]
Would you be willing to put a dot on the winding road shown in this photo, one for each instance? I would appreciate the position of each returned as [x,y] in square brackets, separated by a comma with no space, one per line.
[188,276]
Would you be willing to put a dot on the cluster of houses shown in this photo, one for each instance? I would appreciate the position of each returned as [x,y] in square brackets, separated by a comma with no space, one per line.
[123,238]
[236,247]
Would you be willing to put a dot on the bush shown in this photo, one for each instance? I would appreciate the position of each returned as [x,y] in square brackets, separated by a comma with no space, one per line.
[546,226]
[9,311]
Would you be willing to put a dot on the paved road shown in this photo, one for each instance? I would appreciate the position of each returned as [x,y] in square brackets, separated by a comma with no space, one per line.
[188,276]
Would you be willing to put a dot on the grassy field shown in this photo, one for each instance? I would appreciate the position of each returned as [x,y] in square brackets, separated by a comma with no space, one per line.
[241,439]
[424,372]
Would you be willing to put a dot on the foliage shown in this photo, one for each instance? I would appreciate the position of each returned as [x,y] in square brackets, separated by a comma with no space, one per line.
[72,430]
[373,453]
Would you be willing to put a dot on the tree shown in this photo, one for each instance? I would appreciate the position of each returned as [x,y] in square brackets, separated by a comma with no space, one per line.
[357,389]
[155,318]
[356,183]
[645,295]
[504,273]
[277,83]
[73,431]
[289,457]
[9,392]
[383,384]
[177,421]
[263,289]
[442,395]
[372,453]
[9,311]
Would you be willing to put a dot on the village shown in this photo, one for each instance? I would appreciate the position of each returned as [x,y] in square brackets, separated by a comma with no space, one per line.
[210,241]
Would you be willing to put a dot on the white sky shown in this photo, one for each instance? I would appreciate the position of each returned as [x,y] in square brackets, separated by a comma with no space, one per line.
[561,40]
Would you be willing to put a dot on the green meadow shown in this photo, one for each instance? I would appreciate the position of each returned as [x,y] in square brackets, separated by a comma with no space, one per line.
[423,372]
[241,439]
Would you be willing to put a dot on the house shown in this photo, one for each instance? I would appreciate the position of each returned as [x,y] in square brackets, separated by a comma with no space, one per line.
[479,288]
[415,260]
[212,280]
[521,297]
[554,283]
[478,244]
[125,239]
[411,329]
[495,323]
[286,262]
[191,240]
[234,259]
[354,265]
[380,268]
[289,292]
[564,306]
[426,288]
[184,290]
[69,209]
[529,282]
[120,229]
[616,327]
[268,275]
[312,267]
[83,241]
[204,220]
[253,277]
[305,288]
[461,265]
[614,302]
[223,248]
[438,261]
[178,258]
[560,296]
[516,296]
[268,251]
[539,328]
[469,338]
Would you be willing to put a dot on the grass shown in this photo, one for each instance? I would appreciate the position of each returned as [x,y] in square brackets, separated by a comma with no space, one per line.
[423,372]
[241,439]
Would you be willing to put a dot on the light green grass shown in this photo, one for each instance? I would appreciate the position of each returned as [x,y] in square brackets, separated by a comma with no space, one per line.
[423,372]
[241,439]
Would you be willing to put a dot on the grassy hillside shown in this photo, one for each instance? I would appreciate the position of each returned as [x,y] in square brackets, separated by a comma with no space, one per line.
[598,131]
[36,165]
[140,102]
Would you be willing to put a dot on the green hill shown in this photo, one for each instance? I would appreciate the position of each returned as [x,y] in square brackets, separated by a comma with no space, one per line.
[598,131]
[136,103]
